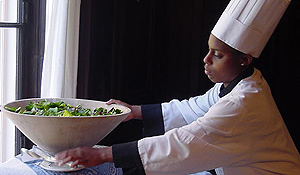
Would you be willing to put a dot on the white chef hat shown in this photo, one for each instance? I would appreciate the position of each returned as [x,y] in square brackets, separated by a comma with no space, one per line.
[247,25]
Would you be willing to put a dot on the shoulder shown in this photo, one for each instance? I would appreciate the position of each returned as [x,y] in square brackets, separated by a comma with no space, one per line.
[249,89]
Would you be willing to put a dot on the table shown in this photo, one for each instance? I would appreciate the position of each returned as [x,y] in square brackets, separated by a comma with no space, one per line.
[26,165]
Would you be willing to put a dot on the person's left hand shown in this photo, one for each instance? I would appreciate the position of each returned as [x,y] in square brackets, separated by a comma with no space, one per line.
[85,156]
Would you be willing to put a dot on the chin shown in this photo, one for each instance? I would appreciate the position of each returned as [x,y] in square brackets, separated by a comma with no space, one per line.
[211,79]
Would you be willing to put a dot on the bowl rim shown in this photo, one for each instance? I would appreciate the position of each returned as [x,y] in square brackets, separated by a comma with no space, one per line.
[128,110]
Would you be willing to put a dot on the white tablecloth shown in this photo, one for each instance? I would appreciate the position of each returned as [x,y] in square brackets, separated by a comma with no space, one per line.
[23,164]
[15,166]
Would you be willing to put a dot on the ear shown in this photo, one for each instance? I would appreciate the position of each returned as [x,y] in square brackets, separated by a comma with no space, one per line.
[246,60]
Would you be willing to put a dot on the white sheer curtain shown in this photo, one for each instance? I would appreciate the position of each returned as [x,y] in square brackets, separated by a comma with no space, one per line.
[7,92]
[59,77]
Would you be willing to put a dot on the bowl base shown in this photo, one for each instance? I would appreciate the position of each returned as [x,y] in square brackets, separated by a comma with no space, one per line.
[51,166]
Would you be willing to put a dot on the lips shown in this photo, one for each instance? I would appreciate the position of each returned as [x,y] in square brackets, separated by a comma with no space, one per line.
[206,70]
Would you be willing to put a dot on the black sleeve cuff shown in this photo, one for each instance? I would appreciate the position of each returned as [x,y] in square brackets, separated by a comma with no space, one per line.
[153,120]
[126,156]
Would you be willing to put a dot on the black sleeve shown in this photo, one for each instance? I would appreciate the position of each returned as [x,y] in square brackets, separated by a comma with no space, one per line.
[127,157]
[152,120]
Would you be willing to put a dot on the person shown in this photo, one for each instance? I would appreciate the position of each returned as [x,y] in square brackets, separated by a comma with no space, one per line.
[234,128]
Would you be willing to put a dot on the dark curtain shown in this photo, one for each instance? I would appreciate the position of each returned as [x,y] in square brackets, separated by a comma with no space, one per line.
[152,52]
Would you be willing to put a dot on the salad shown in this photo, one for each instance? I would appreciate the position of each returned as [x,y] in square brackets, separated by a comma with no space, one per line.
[45,108]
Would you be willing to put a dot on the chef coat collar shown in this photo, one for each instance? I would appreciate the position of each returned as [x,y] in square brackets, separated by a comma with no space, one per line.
[225,90]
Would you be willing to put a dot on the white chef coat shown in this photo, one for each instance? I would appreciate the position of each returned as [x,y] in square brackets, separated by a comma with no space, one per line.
[241,133]
[179,113]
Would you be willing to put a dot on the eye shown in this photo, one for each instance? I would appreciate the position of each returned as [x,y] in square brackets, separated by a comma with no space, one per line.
[217,54]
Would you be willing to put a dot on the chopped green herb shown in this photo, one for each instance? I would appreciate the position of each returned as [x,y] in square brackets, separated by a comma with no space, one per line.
[45,108]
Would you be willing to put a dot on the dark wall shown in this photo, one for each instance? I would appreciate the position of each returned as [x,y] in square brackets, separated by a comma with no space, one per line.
[152,51]
[146,52]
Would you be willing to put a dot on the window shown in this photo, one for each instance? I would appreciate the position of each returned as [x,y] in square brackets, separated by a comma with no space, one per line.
[22,25]
[9,36]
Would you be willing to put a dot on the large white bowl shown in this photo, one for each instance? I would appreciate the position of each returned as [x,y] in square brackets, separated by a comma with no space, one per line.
[54,134]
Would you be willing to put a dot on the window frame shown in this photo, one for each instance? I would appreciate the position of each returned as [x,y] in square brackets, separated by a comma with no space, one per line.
[30,45]
[18,25]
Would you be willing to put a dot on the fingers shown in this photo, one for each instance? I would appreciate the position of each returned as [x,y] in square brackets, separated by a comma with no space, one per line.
[73,155]
[113,101]
[64,161]
[63,157]
[71,163]
[74,164]
[136,112]
[85,156]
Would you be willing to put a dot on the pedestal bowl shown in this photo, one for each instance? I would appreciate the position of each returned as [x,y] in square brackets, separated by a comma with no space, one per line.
[54,133]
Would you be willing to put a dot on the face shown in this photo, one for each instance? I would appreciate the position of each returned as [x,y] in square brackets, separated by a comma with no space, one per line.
[222,64]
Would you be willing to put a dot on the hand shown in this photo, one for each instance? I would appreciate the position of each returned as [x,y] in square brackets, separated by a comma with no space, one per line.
[136,112]
[85,156]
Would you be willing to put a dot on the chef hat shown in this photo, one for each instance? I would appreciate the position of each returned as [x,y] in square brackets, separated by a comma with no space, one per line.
[247,25]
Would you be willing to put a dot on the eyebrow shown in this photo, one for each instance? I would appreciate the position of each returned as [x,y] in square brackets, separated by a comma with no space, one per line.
[215,49]
[211,48]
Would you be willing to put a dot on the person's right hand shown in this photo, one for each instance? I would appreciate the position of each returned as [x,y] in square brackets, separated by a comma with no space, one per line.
[85,156]
[136,112]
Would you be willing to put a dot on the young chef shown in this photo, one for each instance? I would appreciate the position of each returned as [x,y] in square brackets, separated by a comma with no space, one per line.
[235,127]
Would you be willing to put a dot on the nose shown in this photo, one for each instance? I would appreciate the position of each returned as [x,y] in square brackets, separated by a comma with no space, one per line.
[208,58]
